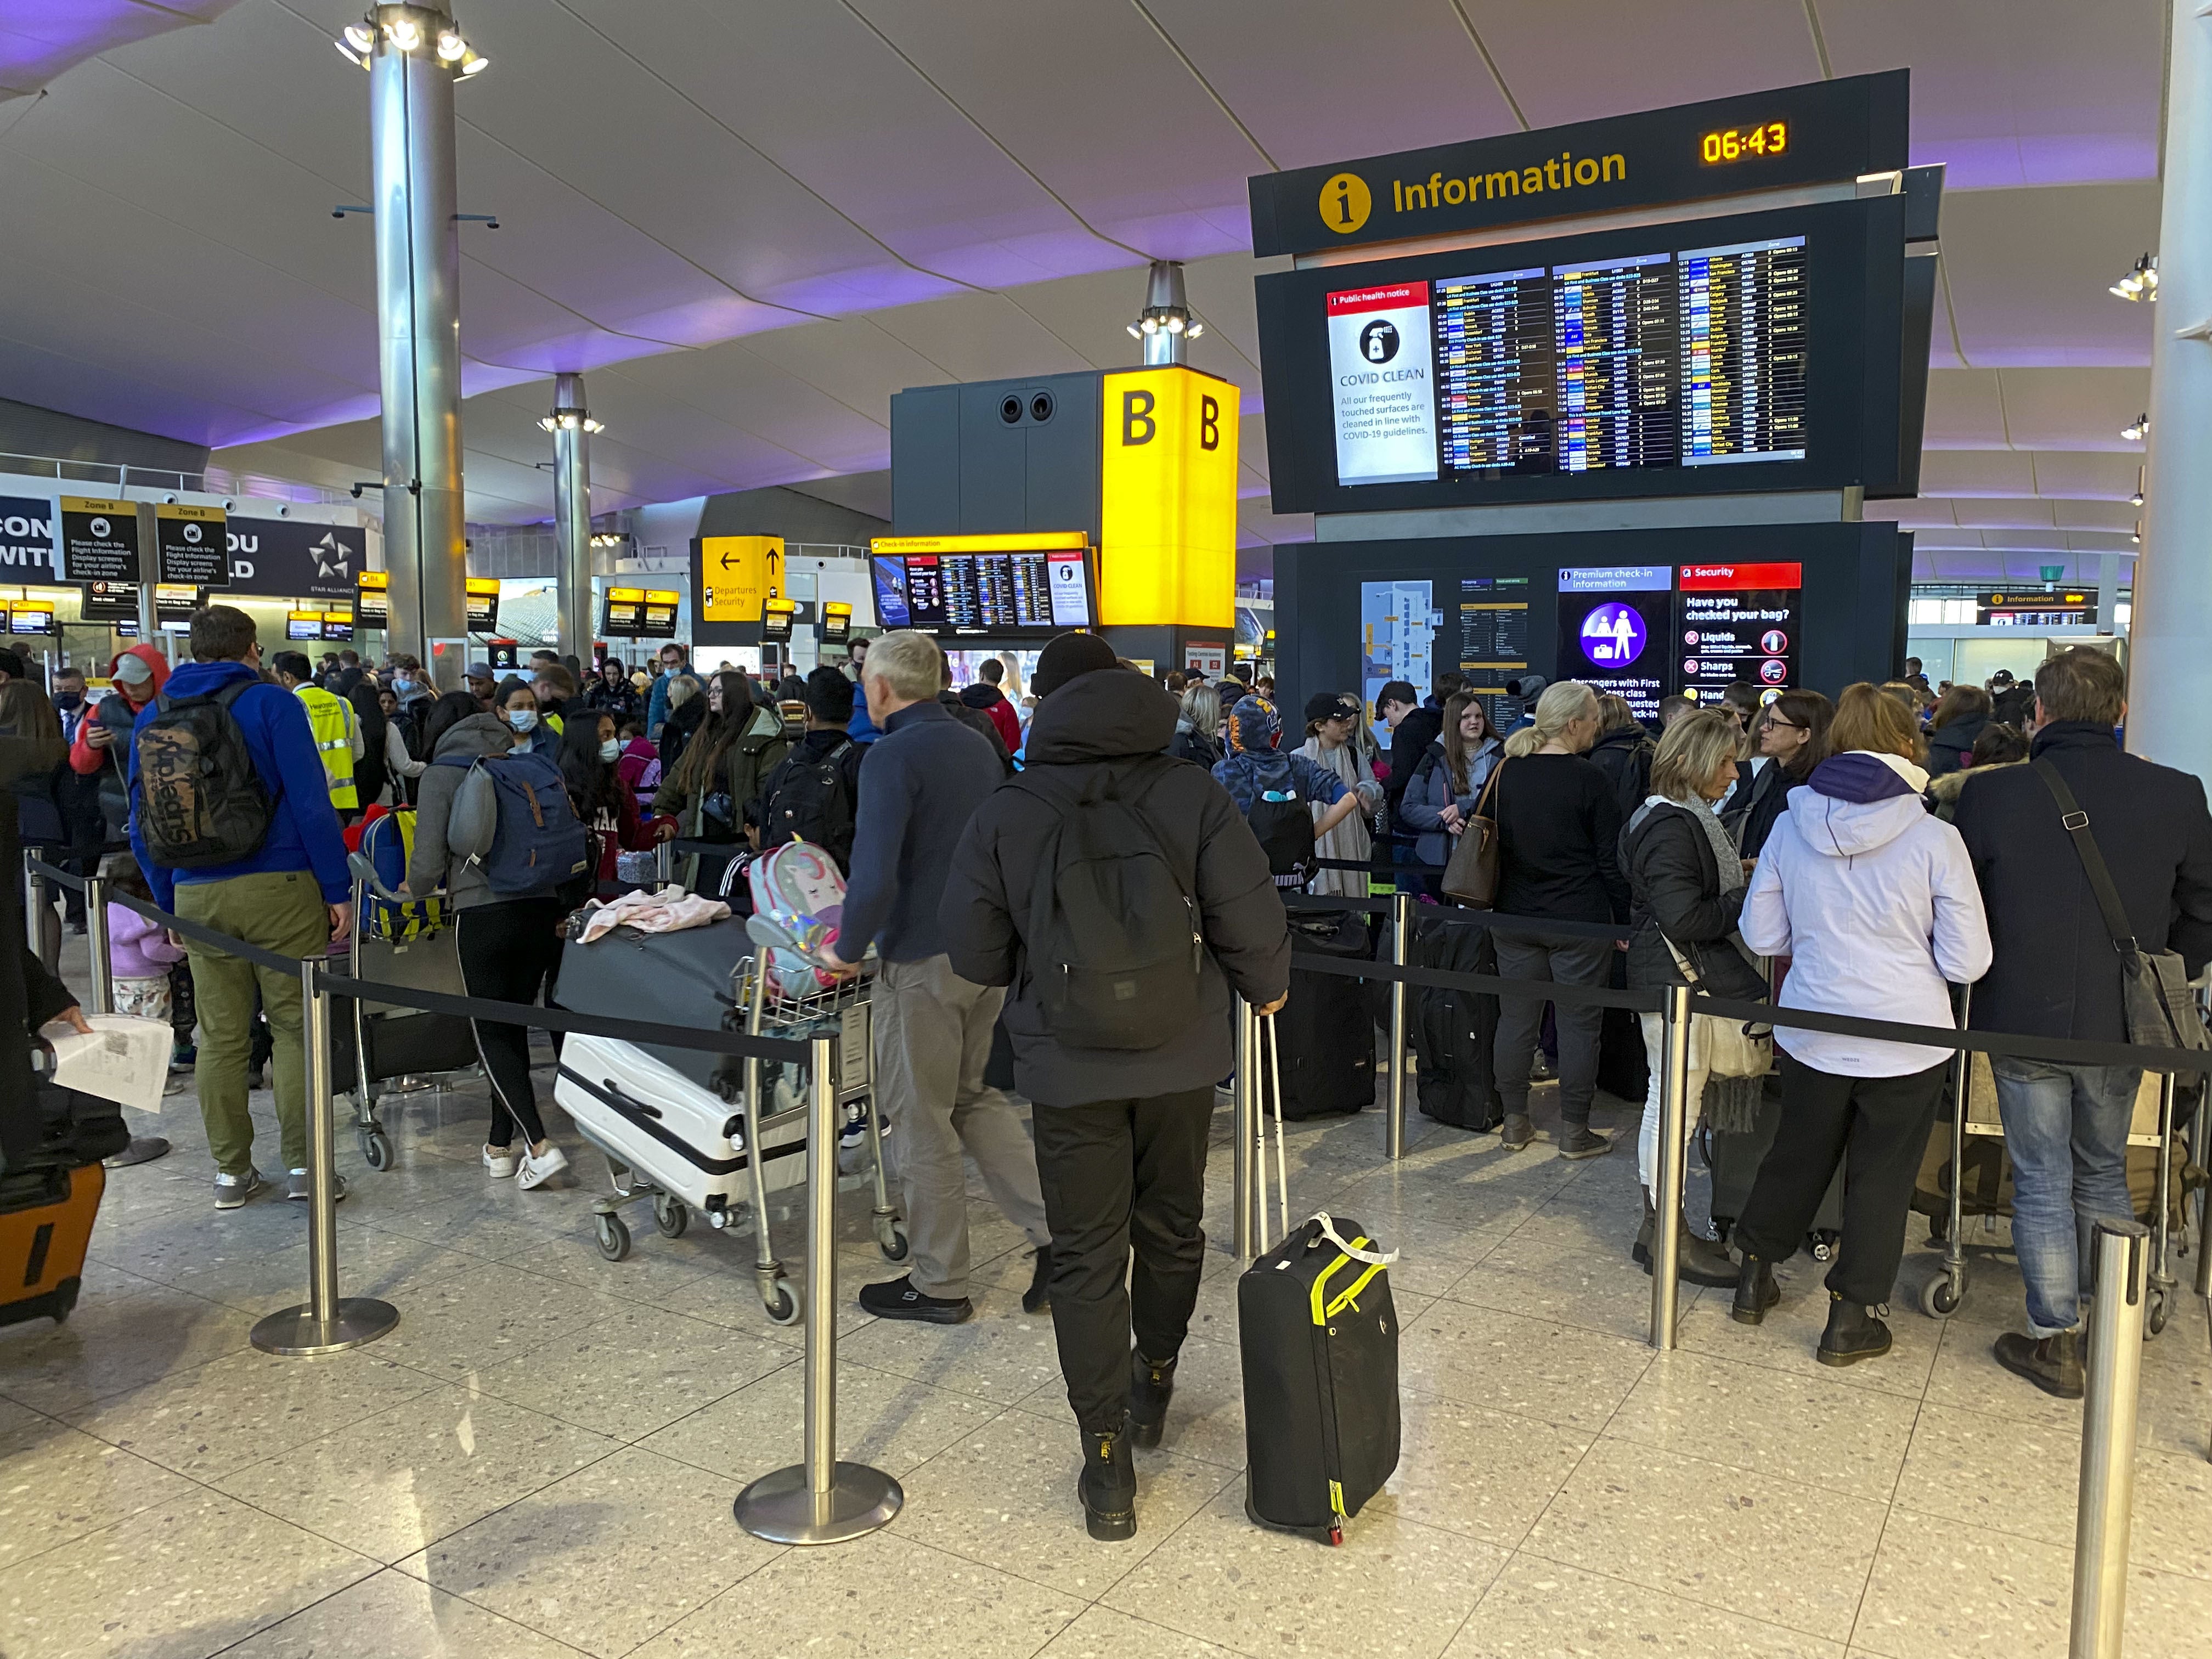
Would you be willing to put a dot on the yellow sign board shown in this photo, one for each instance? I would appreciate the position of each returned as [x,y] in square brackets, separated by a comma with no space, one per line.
[736,574]
[1167,543]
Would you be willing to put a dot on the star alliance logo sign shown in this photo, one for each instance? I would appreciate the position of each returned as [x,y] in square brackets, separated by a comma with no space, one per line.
[330,556]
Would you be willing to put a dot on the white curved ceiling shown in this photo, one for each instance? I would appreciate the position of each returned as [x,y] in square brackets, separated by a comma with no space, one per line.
[751,222]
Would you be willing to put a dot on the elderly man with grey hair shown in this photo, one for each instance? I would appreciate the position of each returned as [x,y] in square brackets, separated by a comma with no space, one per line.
[922,782]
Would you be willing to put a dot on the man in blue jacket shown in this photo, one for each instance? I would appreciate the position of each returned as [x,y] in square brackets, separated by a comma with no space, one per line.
[675,663]
[292,895]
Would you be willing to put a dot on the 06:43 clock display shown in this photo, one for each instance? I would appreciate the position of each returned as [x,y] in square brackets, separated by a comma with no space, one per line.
[1737,144]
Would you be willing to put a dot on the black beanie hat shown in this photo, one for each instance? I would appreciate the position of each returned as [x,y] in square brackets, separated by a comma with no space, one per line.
[1066,655]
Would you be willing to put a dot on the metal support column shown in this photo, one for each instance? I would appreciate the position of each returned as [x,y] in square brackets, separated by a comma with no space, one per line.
[1673,1159]
[2169,671]
[418,304]
[2112,1368]
[1401,925]
[326,1322]
[821,1500]
[1246,1178]
[572,427]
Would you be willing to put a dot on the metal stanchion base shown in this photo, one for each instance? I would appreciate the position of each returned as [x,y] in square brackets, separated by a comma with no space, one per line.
[780,1508]
[293,1331]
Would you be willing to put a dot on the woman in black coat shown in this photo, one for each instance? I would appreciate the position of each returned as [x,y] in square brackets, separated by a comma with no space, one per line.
[1685,888]
[1960,718]
[1792,734]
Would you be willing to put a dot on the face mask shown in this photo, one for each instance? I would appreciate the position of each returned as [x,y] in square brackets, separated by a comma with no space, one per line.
[522,719]
[68,699]
[611,749]
[403,685]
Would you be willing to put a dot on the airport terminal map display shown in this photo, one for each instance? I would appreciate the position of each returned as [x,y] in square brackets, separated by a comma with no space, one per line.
[1664,359]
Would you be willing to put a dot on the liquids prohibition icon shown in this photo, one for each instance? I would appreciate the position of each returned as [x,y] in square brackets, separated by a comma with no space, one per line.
[1345,202]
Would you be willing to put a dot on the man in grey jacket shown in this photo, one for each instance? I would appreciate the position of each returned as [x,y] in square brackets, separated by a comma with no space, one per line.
[920,781]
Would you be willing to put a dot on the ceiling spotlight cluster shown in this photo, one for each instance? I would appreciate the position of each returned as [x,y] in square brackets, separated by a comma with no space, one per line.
[1169,323]
[2138,429]
[357,44]
[610,539]
[569,420]
[2141,282]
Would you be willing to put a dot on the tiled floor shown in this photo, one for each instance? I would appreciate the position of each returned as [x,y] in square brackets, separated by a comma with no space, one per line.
[540,1460]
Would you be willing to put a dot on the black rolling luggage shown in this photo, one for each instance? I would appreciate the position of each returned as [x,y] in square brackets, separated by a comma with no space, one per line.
[1455,1033]
[1318,1337]
[684,978]
[1735,1159]
[1328,1031]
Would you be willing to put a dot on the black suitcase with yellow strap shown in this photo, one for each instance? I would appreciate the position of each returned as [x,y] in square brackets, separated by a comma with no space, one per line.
[1320,1340]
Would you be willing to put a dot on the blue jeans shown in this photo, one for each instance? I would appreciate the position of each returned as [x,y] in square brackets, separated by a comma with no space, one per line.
[2066,1132]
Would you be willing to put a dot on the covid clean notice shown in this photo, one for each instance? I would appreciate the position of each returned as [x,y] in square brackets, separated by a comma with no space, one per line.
[1381,363]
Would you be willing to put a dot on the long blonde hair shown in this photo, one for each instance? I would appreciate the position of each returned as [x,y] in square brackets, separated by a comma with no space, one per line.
[1564,702]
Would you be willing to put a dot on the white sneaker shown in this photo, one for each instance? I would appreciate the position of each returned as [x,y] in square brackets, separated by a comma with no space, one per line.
[537,1168]
[500,1160]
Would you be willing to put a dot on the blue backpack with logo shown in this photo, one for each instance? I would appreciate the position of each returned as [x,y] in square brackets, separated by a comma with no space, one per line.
[512,822]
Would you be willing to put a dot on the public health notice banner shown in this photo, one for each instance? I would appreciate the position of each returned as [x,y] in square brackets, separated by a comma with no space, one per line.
[1380,362]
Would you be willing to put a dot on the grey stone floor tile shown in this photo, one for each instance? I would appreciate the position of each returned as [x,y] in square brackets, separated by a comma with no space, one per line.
[605,1558]
[391,1484]
[1941,1588]
[633,1370]
[881,1597]
[387,1266]
[481,1314]
[1001,1354]
[1791,1331]
[211,1419]
[1750,1417]
[1481,1473]
[1789,1555]
[1538,1609]
[1206,1419]
[1594,1289]
[58,1483]
[126,1331]
[1394,1586]
[183,1580]
[892,1423]
[1575,1379]
[653,1277]
[393,1616]
[1101,1633]
[1014,1479]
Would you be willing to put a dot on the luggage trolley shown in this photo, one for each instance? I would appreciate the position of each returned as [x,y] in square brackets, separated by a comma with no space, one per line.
[1972,1114]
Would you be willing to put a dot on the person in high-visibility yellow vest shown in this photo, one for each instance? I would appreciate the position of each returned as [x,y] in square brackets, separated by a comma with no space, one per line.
[338,730]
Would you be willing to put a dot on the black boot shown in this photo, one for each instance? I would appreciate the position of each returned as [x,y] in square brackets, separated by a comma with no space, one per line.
[1151,1387]
[1108,1490]
[1853,1334]
[1755,1290]
[1698,1261]
[1038,1297]
[2053,1364]
[1640,1252]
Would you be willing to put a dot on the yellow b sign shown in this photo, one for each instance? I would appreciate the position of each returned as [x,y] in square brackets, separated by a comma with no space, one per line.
[1167,543]
[736,574]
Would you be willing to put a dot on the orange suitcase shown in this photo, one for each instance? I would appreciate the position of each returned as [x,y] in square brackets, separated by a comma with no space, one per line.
[46,1222]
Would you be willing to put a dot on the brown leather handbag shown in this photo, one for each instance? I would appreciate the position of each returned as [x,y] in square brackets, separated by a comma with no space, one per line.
[1470,871]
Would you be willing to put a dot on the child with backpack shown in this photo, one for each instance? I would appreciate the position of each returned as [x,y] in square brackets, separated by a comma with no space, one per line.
[638,765]
[814,793]
[1276,791]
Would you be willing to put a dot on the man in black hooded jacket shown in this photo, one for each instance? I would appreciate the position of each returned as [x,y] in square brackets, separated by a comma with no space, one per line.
[1121,1133]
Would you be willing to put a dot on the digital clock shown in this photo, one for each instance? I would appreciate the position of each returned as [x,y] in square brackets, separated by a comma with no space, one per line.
[1737,143]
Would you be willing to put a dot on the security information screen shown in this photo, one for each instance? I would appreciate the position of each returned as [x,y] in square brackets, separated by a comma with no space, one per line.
[1738,622]
[1614,623]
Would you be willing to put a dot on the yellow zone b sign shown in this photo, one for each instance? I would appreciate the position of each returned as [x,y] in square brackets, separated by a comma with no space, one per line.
[1167,506]
[737,576]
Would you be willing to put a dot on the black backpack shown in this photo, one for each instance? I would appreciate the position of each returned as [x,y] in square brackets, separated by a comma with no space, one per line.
[200,801]
[1114,943]
[1283,830]
[811,804]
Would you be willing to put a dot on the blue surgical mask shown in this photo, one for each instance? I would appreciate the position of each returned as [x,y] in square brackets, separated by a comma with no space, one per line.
[402,684]
[522,720]
[611,749]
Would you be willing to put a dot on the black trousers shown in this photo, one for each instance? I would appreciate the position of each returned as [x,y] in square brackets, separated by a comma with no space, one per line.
[509,952]
[1564,961]
[1877,1128]
[1118,1176]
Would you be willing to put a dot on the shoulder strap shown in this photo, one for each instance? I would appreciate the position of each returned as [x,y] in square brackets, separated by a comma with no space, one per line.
[2075,821]
[1489,787]
[231,693]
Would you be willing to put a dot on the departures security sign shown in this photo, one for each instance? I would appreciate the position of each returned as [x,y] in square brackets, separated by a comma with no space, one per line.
[99,540]
[191,543]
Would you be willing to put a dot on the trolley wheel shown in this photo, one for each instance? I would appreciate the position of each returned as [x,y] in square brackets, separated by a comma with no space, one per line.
[1940,1296]
[614,1237]
[376,1149]
[890,1239]
[671,1215]
[2155,1315]
[782,1303]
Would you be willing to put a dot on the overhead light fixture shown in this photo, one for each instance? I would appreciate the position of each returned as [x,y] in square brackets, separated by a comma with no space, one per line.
[2139,429]
[404,34]
[472,65]
[2136,500]
[361,38]
[2141,282]
[358,59]
[569,420]
[2135,535]
[451,46]
[358,42]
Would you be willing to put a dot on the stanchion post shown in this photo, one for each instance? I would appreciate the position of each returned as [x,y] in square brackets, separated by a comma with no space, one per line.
[820,1500]
[2200,1132]
[1401,924]
[1245,1172]
[36,902]
[665,862]
[95,931]
[1673,1155]
[2112,1371]
[326,1322]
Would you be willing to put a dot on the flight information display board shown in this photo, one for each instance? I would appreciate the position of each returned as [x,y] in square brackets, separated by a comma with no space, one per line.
[996,591]
[1760,351]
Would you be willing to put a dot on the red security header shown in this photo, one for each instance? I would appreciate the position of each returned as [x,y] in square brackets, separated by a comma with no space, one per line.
[1739,577]
[1395,297]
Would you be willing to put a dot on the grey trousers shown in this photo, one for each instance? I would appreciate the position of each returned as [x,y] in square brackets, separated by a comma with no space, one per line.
[932,1038]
